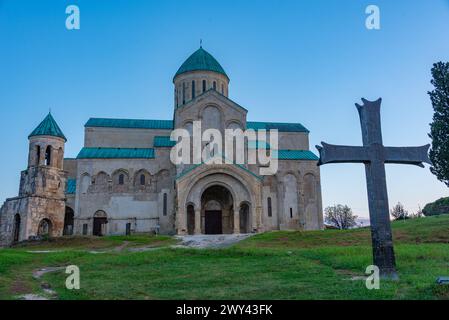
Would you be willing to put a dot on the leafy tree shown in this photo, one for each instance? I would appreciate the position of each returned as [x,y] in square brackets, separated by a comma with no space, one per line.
[439,128]
[340,216]
[398,212]
[441,206]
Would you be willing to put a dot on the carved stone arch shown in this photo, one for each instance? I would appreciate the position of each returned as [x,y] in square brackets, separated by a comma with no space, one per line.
[142,178]
[120,181]
[116,175]
[224,185]
[209,104]
[229,123]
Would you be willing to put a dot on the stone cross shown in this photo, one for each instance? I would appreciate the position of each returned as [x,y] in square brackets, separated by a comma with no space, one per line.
[374,155]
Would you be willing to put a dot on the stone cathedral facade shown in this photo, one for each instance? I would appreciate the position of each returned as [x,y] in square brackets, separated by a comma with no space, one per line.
[123,182]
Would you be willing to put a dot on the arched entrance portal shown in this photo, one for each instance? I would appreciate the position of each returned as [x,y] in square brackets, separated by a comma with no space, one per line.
[44,229]
[16,233]
[217,210]
[68,222]
[100,221]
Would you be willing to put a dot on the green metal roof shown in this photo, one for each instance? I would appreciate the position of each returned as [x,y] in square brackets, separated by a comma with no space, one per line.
[168,124]
[160,142]
[295,155]
[280,126]
[115,153]
[130,123]
[71,186]
[48,127]
[201,60]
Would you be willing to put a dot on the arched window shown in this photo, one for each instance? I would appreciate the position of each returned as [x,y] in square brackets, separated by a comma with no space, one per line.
[183,93]
[291,213]
[38,155]
[222,89]
[164,209]
[48,156]
[193,89]
[204,85]
[270,209]
[142,180]
[121,179]
[215,85]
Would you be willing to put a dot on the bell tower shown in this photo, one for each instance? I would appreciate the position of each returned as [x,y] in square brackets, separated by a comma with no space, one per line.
[39,209]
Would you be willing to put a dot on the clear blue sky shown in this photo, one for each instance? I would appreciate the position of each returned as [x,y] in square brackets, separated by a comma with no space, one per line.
[292,61]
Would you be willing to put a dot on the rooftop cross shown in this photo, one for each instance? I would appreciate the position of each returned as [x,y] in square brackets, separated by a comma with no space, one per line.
[374,155]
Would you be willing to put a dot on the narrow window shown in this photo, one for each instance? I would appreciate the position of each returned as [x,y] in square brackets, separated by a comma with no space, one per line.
[193,89]
[38,155]
[183,93]
[142,179]
[204,85]
[121,179]
[85,229]
[128,229]
[215,85]
[165,205]
[48,156]
[222,89]
[270,212]
[291,213]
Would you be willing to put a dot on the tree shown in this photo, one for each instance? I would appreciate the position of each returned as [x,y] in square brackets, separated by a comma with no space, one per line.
[340,216]
[439,128]
[398,212]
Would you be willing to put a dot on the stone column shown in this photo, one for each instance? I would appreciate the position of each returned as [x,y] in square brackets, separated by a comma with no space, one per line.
[182,221]
[42,156]
[197,221]
[236,221]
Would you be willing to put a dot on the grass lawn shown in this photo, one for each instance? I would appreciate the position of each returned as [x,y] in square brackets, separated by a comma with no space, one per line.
[274,265]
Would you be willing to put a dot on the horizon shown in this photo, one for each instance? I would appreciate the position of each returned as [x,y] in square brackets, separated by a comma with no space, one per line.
[120,65]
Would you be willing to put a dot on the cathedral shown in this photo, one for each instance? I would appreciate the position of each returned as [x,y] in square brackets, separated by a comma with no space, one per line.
[123,180]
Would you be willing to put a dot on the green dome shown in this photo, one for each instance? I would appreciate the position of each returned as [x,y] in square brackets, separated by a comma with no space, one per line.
[48,127]
[201,60]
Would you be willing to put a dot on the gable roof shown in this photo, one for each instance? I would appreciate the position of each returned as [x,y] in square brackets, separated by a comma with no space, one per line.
[48,127]
[116,153]
[200,60]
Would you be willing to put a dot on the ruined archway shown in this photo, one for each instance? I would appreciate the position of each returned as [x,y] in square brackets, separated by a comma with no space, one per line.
[68,221]
[45,228]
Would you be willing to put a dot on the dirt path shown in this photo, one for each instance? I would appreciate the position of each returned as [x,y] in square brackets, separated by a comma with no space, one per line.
[205,241]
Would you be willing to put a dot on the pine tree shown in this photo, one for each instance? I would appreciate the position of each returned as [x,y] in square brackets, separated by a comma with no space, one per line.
[439,128]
